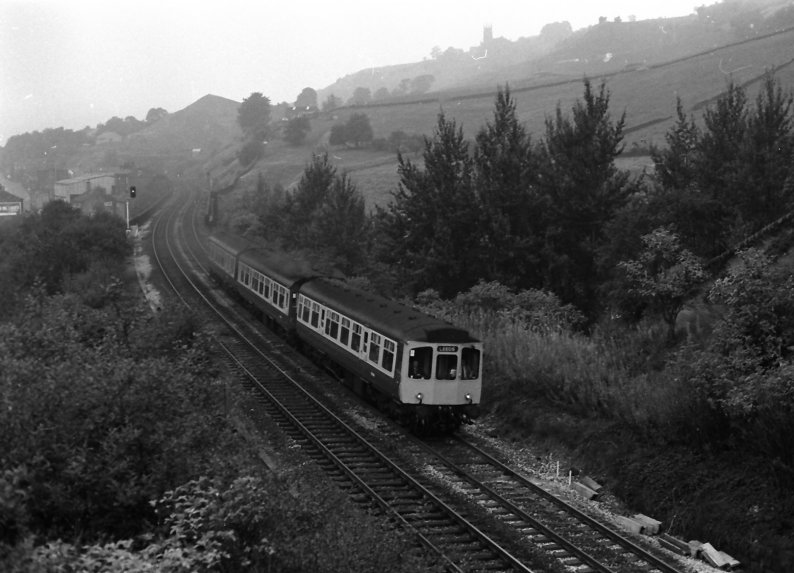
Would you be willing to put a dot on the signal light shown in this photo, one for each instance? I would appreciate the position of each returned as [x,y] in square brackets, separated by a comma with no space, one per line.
[132,191]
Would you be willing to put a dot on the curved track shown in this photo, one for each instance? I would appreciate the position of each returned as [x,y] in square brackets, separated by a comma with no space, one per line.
[457,498]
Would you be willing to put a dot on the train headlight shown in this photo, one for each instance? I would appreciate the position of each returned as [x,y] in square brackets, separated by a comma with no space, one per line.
[468,397]
[419,397]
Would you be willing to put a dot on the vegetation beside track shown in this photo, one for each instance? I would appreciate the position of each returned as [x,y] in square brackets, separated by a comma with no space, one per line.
[120,450]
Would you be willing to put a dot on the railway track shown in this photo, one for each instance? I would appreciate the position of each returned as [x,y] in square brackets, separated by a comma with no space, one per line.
[471,510]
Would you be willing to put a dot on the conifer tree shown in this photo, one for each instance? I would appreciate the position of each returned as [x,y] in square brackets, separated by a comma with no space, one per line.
[430,229]
[675,166]
[766,155]
[584,189]
[505,171]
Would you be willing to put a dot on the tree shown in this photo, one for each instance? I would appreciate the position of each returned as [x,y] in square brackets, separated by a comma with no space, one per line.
[359,130]
[155,114]
[251,151]
[326,213]
[505,178]
[253,116]
[676,165]
[338,135]
[381,93]
[361,96]
[340,226]
[430,229]
[307,99]
[421,84]
[766,154]
[331,102]
[721,145]
[296,130]
[664,276]
[584,190]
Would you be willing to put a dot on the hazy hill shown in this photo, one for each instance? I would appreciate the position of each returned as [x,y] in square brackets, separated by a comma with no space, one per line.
[602,48]
[208,123]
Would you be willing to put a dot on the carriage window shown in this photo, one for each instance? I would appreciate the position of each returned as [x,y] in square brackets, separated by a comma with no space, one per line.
[344,332]
[281,296]
[447,366]
[470,362]
[255,282]
[332,325]
[315,314]
[420,362]
[388,354]
[355,340]
[266,293]
[374,348]
[307,309]
[261,284]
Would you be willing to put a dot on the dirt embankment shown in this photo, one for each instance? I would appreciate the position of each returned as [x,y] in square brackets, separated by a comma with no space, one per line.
[738,501]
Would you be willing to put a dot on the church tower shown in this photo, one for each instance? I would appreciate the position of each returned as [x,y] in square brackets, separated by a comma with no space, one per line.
[487,34]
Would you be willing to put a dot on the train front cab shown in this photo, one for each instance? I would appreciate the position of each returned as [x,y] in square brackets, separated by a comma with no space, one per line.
[442,374]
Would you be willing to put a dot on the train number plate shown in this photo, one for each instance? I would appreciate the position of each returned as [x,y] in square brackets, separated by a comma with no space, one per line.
[447,348]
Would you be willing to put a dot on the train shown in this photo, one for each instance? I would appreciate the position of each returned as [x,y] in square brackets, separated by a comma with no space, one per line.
[423,371]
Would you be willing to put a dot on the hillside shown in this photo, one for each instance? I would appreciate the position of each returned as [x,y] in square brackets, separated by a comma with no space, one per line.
[650,63]
[208,123]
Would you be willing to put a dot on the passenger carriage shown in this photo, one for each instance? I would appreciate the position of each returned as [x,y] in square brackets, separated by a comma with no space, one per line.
[223,252]
[269,282]
[426,368]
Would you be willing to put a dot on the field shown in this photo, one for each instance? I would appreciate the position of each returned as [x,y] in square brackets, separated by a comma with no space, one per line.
[647,96]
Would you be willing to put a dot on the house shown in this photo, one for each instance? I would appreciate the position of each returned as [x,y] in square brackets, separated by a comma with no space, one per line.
[10,205]
[95,192]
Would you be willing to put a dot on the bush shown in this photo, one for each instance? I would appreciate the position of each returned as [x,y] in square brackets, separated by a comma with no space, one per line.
[101,420]
[250,152]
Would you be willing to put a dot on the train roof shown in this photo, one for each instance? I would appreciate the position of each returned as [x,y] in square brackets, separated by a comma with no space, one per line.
[230,243]
[277,266]
[388,317]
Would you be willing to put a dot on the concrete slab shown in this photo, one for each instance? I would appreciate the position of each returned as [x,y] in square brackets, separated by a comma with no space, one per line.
[680,546]
[590,482]
[583,490]
[673,547]
[730,562]
[712,556]
[629,524]
[694,547]
[651,525]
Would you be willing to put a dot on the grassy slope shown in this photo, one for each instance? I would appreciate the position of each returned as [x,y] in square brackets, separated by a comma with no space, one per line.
[647,96]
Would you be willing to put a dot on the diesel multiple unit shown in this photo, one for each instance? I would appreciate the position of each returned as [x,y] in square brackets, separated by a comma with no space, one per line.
[419,368]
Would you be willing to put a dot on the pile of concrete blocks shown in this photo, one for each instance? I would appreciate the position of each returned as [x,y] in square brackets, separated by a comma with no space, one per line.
[586,487]
[640,524]
[703,551]
[644,525]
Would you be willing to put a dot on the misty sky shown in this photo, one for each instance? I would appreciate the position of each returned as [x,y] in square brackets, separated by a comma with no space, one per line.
[72,63]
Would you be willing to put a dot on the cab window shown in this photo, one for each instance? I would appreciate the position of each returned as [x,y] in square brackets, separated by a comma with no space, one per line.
[470,364]
[447,366]
[420,362]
